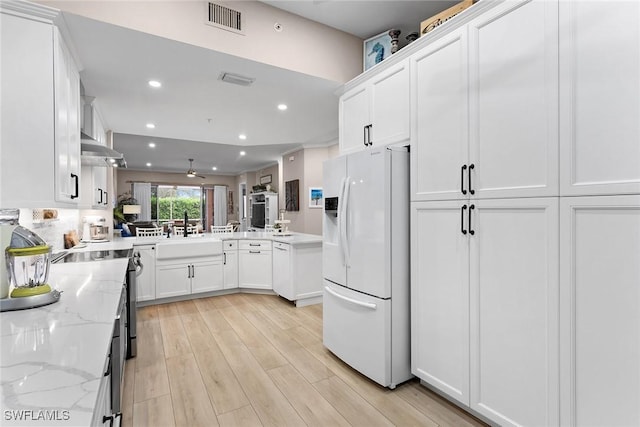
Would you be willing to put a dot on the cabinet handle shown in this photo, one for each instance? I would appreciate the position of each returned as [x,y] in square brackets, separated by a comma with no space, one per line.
[106,198]
[471,166]
[224,257]
[254,244]
[369,134]
[100,201]
[462,169]
[364,135]
[188,272]
[462,209]
[472,207]
[110,419]
[254,252]
[73,175]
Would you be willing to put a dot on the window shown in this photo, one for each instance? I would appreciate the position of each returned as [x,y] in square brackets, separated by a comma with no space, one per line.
[169,203]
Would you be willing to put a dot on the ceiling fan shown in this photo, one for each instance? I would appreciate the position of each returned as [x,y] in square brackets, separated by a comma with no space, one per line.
[191,173]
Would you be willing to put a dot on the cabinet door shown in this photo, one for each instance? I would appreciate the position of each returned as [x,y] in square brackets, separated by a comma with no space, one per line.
[282,277]
[514,310]
[440,297]
[354,116]
[390,106]
[439,136]
[230,272]
[67,125]
[513,110]
[600,311]
[599,98]
[101,196]
[207,276]
[254,269]
[172,280]
[146,281]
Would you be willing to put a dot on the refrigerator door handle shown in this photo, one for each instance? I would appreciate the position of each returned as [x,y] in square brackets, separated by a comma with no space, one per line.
[341,219]
[370,305]
[345,222]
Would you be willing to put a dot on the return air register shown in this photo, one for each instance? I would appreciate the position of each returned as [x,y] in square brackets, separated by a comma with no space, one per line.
[225,18]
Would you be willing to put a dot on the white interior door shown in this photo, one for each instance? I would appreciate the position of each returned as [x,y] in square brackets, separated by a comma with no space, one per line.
[368,223]
[514,295]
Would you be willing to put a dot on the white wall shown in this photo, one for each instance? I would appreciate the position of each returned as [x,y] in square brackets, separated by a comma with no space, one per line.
[304,46]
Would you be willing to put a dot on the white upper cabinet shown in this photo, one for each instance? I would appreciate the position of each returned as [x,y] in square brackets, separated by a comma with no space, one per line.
[440,145]
[485,107]
[40,132]
[513,109]
[600,97]
[376,113]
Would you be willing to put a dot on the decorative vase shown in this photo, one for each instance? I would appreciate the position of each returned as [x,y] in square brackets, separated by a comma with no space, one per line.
[394,40]
[412,37]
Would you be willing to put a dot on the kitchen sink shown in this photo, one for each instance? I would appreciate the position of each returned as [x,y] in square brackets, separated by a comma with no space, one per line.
[187,248]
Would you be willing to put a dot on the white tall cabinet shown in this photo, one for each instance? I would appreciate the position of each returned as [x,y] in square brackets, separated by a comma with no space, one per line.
[525,186]
[40,111]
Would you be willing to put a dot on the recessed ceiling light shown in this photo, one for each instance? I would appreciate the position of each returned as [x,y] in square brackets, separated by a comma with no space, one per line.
[115,165]
[282,107]
[148,164]
[112,160]
[154,83]
[214,168]
[152,145]
[242,153]
[242,136]
[151,126]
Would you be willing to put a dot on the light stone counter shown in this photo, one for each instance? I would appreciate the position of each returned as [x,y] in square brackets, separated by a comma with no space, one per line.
[52,358]
[293,239]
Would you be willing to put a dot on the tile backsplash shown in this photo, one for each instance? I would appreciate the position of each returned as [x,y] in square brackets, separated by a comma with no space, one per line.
[52,231]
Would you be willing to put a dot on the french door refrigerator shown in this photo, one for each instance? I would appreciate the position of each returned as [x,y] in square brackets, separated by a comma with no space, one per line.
[366,263]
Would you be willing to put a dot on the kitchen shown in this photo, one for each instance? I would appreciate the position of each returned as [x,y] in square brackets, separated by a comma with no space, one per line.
[462,295]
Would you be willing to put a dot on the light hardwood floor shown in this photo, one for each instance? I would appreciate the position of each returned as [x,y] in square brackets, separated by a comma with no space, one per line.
[252,360]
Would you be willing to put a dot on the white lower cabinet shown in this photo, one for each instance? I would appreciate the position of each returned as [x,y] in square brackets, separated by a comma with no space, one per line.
[484,305]
[297,274]
[254,264]
[230,269]
[600,311]
[188,276]
[103,401]
[146,281]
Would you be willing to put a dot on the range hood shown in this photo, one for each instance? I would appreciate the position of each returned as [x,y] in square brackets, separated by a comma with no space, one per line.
[94,154]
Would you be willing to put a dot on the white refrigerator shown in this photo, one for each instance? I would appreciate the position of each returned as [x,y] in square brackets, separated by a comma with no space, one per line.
[366,319]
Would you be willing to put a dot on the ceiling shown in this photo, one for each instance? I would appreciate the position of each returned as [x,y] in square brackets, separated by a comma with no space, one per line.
[197,115]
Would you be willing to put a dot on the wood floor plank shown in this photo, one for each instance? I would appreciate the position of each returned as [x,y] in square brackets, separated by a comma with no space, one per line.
[279,318]
[144,314]
[215,321]
[151,381]
[197,331]
[186,307]
[191,404]
[309,366]
[150,346]
[243,417]
[127,392]
[153,412]
[271,406]
[356,410]
[174,337]
[265,353]
[205,304]
[220,302]
[312,407]
[435,407]
[167,310]
[225,392]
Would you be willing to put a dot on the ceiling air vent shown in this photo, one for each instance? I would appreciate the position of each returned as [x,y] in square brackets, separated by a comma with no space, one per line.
[225,18]
[236,79]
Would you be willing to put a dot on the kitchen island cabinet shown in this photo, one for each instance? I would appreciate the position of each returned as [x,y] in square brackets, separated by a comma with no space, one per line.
[230,270]
[297,272]
[40,115]
[147,279]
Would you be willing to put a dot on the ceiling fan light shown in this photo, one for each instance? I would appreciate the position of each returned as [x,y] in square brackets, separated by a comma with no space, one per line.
[191,174]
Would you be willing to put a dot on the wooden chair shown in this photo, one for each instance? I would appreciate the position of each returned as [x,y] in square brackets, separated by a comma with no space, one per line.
[179,229]
[148,232]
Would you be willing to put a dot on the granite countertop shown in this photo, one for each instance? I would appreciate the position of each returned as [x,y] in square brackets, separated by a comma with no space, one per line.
[52,358]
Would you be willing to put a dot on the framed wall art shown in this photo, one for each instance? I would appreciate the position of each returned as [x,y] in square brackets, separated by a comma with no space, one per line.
[315,197]
[376,49]
[292,195]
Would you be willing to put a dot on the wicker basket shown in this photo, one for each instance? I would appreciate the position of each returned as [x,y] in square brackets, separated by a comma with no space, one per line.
[436,20]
